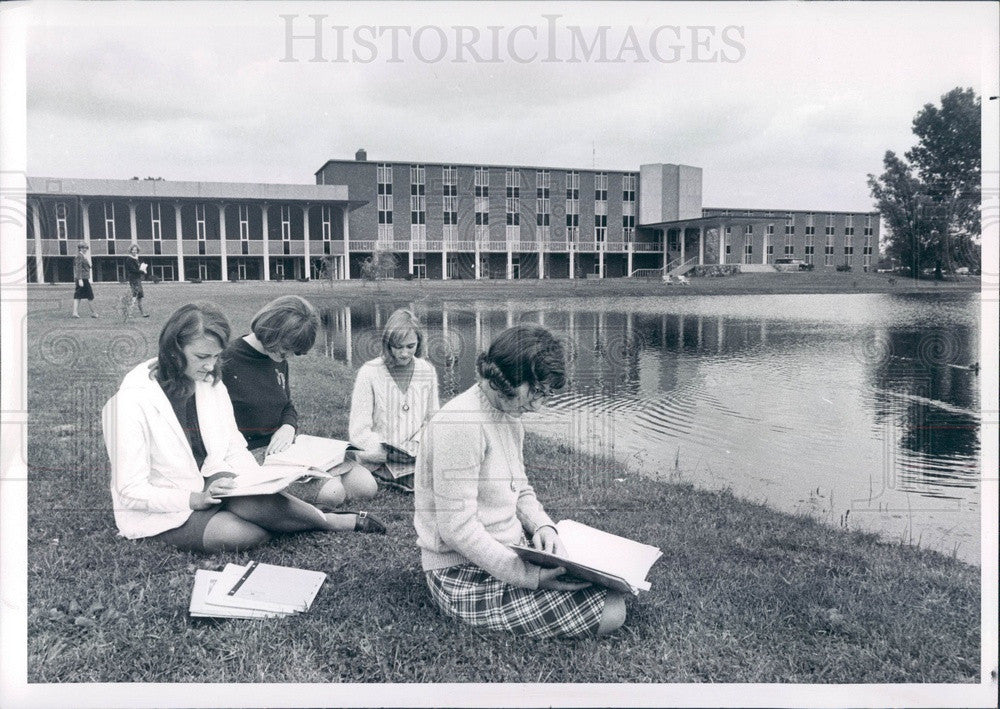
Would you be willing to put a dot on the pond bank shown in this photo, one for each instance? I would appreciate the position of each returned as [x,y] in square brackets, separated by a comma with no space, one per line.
[742,593]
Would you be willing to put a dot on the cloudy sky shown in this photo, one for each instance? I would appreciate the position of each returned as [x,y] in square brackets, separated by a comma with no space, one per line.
[782,105]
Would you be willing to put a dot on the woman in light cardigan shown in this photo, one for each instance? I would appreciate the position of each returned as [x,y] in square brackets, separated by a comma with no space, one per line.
[393,396]
[174,448]
[473,500]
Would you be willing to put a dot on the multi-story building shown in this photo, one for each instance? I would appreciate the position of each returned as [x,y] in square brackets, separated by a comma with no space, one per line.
[439,220]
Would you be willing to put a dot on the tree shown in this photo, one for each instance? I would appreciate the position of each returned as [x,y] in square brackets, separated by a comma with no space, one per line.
[930,201]
[381,264]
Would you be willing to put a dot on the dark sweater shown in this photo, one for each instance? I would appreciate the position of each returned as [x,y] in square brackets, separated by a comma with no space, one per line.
[258,387]
[187,415]
[132,270]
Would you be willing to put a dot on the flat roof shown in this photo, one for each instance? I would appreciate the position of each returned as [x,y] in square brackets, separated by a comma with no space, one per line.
[168,189]
[706,221]
[477,164]
[780,213]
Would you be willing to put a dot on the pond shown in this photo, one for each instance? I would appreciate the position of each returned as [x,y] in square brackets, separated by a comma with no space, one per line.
[859,409]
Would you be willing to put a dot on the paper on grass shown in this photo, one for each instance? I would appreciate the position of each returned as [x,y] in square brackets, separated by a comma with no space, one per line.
[608,552]
[281,589]
[204,582]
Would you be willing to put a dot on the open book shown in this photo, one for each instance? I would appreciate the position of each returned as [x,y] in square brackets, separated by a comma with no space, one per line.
[602,558]
[307,457]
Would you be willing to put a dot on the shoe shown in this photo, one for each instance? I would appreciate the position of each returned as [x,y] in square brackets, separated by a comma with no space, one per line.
[367,523]
[145,315]
[74,315]
[94,315]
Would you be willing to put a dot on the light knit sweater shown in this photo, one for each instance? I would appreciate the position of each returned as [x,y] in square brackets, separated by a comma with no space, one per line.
[380,411]
[471,496]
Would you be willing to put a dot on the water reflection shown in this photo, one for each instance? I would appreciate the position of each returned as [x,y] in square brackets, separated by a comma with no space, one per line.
[821,404]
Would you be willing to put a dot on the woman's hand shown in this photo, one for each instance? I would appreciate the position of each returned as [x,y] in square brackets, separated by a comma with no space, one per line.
[549,579]
[80,283]
[281,439]
[547,539]
[206,498]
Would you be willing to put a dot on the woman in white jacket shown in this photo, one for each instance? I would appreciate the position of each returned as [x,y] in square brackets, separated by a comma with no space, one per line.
[393,396]
[174,447]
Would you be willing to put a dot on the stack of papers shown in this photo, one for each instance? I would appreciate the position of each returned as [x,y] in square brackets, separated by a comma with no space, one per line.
[253,591]
[599,557]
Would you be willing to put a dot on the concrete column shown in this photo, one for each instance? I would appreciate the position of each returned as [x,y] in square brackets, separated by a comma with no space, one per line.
[510,264]
[133,231]
[410,258]
[347,242]
[572,259]
[600,260]
[541,260]
[628,268]
[701,246]
[477,267]
[222,242]
[479,332]
[305,241]
[666,252]
[179,229]
[722,243]
[266,243]
[348,339]
[683,234]
[85,217]
[36,223]
[444,260]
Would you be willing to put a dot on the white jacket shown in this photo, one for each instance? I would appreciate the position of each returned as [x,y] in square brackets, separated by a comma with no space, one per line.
[153,471]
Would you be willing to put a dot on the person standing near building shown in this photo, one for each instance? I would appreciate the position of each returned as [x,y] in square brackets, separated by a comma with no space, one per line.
[135,270]
[82,268]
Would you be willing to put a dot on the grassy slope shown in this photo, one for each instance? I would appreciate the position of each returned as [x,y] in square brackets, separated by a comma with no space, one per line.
[742,594]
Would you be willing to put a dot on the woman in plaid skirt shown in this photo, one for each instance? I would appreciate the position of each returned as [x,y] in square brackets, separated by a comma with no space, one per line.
[472,500]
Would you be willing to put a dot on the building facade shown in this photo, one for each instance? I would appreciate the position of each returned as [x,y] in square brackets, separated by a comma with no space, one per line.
[426,220]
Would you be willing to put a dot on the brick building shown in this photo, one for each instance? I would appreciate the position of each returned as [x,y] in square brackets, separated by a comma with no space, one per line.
[440,220]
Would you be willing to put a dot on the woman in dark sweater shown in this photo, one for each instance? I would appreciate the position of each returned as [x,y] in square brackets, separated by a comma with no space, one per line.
[134,273]
[255,371]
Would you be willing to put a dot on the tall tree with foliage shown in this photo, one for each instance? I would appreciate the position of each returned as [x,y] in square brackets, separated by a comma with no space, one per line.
[930,201]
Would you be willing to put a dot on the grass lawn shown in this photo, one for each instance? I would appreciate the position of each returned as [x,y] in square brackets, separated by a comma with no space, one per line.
[742,593]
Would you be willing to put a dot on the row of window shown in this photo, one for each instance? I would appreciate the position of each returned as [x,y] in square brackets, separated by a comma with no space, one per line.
[201,231]
[869,227]
[512,202]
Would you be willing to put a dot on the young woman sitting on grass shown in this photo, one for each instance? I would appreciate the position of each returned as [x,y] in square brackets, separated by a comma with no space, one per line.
[393,396]
[473,500]
[174,447]
[255,371]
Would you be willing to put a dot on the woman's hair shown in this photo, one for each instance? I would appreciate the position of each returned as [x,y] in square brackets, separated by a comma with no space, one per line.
[184,326]
[400,324]
[523,353]
[288,323]
[133,247]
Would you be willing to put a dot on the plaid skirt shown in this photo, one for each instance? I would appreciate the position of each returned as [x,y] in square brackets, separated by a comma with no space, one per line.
[473,596]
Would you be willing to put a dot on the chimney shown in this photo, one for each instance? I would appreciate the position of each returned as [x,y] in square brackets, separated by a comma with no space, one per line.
[361,155]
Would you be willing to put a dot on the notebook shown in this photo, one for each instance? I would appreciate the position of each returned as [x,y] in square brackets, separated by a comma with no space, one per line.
[312,452]
[602,558]
[204,582]
[266,587]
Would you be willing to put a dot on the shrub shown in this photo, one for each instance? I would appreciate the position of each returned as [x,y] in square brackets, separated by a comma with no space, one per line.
[843,268]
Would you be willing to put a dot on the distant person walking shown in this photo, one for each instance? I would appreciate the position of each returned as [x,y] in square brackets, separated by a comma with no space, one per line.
[135,271]
[82,268]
